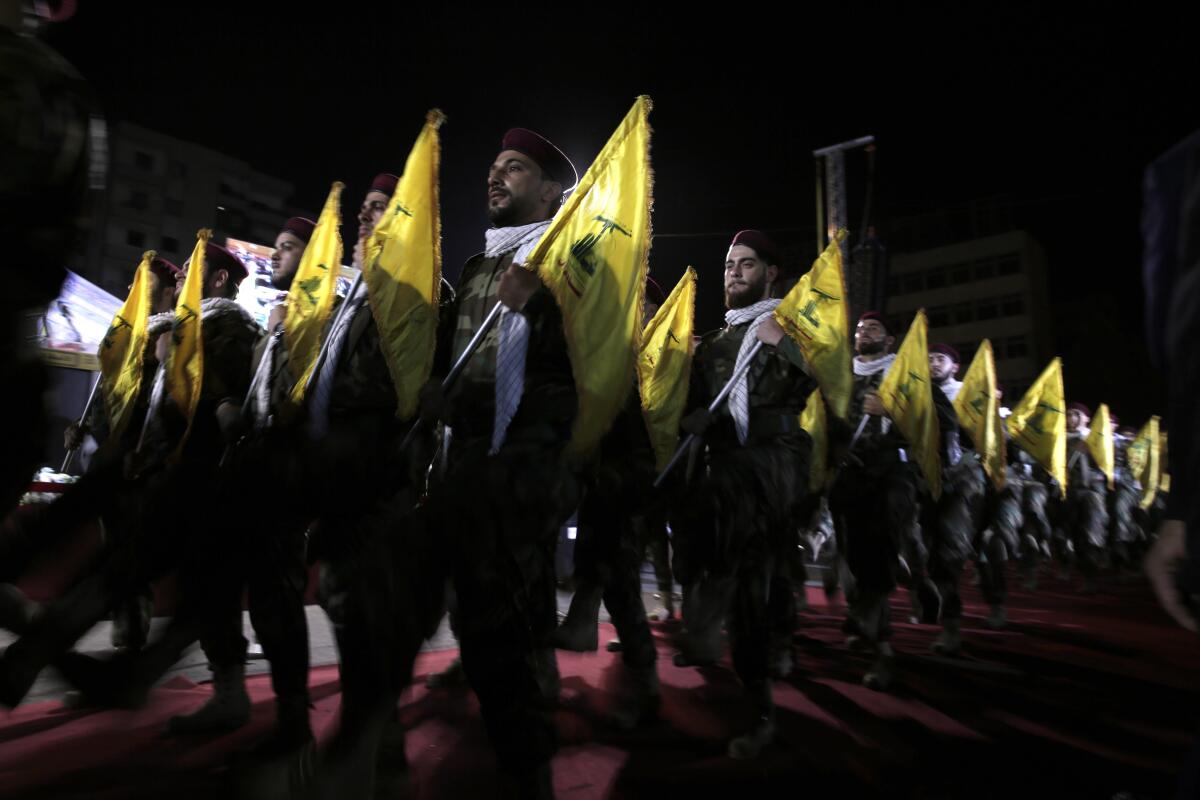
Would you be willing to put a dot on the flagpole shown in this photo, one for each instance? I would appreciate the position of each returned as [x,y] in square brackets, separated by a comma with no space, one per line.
[87,409]
[712,408]
[451,378]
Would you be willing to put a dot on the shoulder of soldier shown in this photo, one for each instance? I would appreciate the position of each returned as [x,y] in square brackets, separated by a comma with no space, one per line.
[224,317]
[470,267]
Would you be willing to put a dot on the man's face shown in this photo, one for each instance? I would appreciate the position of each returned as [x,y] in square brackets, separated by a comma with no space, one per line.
[289,248]
[648,311]
[870,337]
[941,367]
[162,294]
[373,206]
[215,282]
[517,191]
[747,277]
[1076,421]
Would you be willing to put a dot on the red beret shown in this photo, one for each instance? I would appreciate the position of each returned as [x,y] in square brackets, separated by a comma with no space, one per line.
[875,315]
[760,243]
[946,350]
[1081,408]
[300,227]
[217,257]
[552,160]
[165,270]
[384,182]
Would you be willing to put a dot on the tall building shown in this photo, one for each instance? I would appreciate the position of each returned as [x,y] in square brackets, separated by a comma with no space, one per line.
[991,287]
[161,190]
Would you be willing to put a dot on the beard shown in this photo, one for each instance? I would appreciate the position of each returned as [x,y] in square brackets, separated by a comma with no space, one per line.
[748,295]
[282,282]
[870,348]
[503,216]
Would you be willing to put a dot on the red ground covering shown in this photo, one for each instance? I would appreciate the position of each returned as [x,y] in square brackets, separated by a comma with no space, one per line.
[1080,697]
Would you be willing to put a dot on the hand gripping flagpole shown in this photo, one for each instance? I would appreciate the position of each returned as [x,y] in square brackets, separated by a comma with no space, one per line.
[87,409]
[712,408]
[451,378]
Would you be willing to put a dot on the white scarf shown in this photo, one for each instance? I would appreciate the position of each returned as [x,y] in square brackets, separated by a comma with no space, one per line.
[739,396]
[522,238]
[950,387]
[513,336]
[864,368]
[261,390]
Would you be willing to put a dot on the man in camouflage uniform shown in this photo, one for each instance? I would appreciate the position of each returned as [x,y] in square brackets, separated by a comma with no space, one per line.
[1124,531]
[508,427]
[100,493]
[378,579]
[158,537]
[269,559]
[954,518]
[1085,514]
[874,502]
[737,522]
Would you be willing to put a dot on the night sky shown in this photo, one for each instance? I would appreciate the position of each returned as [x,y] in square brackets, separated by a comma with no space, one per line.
[1058,113]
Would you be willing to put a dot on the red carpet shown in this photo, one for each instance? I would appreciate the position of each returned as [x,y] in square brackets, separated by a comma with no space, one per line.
[1081,697]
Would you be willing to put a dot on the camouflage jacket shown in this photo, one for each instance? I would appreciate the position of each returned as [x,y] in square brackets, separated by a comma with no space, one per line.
[548,403]
[881,439]
[230,337]
[362,382]
[1083,475]
[778,379]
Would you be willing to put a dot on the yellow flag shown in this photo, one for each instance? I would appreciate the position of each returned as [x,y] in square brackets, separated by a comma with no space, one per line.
[907,394]
[404,269]
[185,359]
[593,257]
[1039,423]
[1164,465]
[1100,442]
[123,351]
[664,366]
[812,420]
[978,413]
[1145,460]
[310,300]
[815,314]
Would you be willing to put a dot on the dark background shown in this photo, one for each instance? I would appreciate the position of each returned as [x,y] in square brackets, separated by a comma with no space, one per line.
[1049,114]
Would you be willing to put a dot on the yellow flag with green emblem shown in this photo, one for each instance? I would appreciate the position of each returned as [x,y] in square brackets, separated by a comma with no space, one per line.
[978,413]
[813,421]
[816,315]
[310,300]
[1038,424]
[185,358]
[404,269]
[593,258]
[664,367]
[1145,453]
[1100,442]
[123,352]
[907,395]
